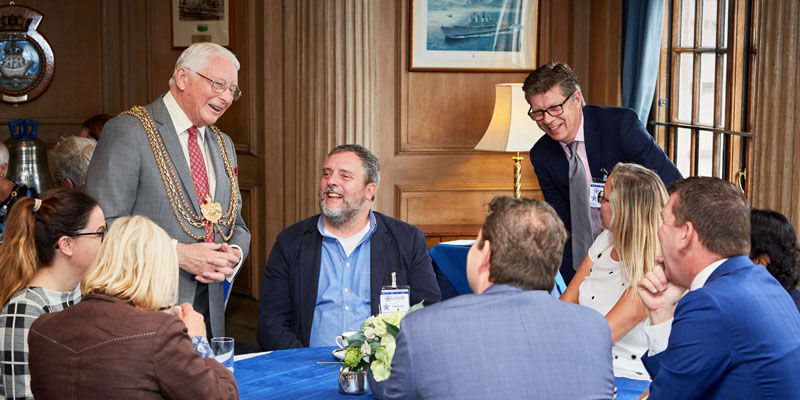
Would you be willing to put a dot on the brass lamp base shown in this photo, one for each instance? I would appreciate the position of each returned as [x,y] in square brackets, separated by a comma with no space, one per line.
[517,176]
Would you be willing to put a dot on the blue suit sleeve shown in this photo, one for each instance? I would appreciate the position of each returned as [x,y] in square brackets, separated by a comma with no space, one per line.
[401,384]
[552,195]
[698,352]
[638,146]
[275,303]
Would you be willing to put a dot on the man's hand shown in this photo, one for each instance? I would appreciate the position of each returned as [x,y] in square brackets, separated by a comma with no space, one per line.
[207,261]
[193,319]
[658,294]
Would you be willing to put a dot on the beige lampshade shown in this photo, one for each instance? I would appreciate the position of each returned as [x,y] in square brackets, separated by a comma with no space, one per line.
[510,129]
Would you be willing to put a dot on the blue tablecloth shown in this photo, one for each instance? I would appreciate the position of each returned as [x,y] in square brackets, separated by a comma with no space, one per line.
[450,262]
[294,374]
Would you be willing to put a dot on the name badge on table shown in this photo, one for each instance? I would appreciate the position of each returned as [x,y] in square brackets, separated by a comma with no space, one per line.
[594,189]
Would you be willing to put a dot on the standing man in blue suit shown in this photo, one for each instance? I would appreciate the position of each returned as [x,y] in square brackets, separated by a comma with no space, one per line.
[325,273]
[603,137]
[736,334]
[511,339]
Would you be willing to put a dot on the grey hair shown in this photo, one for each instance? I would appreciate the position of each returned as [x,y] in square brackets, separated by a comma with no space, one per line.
[372,167]
[196,56]
[3,154]
[73,154]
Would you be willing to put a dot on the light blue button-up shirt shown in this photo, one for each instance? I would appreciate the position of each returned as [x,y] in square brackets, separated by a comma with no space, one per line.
[343,295]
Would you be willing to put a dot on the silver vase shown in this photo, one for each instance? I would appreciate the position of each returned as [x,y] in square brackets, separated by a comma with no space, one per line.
[353,382]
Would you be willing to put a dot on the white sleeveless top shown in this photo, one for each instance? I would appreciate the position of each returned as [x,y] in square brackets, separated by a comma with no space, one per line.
[600,291]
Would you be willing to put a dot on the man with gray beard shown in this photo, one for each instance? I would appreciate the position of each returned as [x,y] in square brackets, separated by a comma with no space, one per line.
[325,273]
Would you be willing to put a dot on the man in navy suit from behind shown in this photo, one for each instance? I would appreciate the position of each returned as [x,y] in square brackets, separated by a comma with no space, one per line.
[605,136]
[736,333]
[511,339]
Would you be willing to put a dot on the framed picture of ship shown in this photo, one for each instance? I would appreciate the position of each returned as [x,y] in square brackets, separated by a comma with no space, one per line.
[202,21]
[476,35]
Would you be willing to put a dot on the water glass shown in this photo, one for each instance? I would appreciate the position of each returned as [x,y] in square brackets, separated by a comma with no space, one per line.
[223,351]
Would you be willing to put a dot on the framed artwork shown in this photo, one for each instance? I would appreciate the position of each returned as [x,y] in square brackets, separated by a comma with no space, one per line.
[202,21]
[477,35]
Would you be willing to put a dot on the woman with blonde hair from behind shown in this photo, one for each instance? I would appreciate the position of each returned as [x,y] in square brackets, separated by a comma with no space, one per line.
[606,281]
[117,343]
[49,244]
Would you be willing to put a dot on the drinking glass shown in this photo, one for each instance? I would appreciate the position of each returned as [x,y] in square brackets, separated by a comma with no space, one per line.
[223,351]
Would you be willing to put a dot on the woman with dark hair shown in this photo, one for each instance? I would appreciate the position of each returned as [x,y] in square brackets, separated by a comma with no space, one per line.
[773,244]
[49,245]
[92,127]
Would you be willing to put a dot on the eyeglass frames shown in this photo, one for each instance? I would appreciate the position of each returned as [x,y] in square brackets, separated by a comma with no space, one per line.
[554,111]
[220,86]
[601,197]
[101,234]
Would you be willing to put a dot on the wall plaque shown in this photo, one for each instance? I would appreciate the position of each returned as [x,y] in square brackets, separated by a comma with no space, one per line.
[26,59]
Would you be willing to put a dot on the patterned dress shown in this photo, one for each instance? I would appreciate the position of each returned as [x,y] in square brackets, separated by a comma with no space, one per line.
[15,319]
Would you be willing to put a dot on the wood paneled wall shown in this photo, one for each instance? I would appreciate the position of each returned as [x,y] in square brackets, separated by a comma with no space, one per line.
[316,74]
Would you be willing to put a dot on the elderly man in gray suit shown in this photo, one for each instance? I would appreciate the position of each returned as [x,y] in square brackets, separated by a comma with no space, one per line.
[512,339]
[168,161]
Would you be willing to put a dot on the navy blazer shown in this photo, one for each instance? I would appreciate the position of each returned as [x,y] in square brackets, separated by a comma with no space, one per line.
[612,135]
[291,278]
[506,343]
[737,337]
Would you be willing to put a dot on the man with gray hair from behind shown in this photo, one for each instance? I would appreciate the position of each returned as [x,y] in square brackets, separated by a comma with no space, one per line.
[72,154]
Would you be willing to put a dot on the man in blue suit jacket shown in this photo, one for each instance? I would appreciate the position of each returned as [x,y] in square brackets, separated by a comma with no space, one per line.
[736,334]
[325,273]
[605,136]
[512,339]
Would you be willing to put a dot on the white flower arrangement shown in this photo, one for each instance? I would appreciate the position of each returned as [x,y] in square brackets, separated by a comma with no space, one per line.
[373,346]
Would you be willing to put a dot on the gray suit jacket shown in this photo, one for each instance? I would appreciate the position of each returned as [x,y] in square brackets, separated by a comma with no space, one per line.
[503,344]
[124,178]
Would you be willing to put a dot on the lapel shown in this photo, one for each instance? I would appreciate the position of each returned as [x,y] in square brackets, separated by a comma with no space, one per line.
[308,278]
[379,248]
[221,191]
[728,266]
[160,115]
[591,139]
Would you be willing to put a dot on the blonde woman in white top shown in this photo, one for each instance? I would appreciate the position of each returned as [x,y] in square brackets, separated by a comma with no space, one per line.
[630,209]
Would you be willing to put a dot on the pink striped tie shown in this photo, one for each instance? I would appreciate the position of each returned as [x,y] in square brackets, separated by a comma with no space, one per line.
[199,175]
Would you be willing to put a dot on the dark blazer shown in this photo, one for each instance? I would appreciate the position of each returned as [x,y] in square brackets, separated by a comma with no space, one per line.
[104,348]
[291,277]
[737,337]
[506,343]
[612,135]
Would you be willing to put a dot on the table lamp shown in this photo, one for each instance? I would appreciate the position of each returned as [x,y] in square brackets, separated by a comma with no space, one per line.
[511,130]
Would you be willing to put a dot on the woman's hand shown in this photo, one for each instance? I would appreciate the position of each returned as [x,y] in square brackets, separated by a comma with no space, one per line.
[193,319]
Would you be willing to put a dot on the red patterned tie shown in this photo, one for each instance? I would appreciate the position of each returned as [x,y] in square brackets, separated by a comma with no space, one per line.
[199,175]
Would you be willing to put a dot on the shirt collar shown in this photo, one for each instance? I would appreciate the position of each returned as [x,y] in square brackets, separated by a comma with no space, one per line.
[702,276]
[579,136]
[372,225]
[179,119]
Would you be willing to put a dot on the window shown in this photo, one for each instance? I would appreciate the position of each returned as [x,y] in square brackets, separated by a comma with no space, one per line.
[701,107]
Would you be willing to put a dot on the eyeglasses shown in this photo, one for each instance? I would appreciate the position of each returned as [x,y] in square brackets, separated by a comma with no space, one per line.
[601,197]
[219,87]
[554,111]
[101,234]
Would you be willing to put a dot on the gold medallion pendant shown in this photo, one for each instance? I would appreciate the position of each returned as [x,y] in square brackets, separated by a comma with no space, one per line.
[212,211]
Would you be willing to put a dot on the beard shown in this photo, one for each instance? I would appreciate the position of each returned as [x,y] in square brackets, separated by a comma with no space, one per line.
[343,214]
